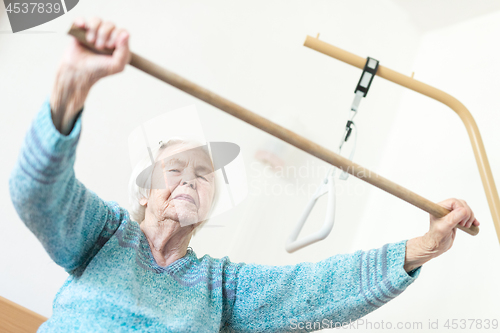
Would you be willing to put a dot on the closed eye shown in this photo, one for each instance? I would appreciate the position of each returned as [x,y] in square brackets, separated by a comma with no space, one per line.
[175,170]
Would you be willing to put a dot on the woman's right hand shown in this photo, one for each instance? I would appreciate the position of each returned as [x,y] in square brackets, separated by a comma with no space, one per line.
[81,68]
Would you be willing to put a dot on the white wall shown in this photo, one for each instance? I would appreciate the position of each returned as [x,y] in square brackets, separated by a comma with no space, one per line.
[252,53]
[429,152]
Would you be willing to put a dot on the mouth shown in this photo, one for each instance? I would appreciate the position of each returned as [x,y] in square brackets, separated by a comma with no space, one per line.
[186,197]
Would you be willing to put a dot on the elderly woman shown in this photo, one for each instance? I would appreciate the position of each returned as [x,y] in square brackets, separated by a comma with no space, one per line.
[139,274]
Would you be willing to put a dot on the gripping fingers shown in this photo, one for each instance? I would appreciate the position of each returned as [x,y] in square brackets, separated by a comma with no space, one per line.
[121,54]
[112,38]
[469,216]
[103,34]
[93,26]
[461,214]
[80,22]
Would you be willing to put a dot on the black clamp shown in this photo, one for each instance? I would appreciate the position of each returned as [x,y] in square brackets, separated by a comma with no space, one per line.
[367,76]
[348,129]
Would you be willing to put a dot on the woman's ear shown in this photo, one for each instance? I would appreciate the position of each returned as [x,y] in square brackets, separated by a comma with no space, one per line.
[143,202]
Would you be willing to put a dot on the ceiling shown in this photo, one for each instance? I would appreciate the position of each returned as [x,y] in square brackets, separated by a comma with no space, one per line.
[429,15]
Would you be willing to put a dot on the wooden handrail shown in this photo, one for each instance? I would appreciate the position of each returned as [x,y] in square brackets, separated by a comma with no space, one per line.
[276,130]
[427,90]
[15,318]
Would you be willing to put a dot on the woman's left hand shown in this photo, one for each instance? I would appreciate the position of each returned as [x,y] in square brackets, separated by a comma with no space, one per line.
[442,231]
[441,234]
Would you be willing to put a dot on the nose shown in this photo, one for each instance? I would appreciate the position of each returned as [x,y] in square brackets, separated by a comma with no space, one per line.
[191,183]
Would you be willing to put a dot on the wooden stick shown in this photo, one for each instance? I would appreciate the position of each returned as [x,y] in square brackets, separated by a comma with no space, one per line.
[279,132]
[427,90]
[17,318]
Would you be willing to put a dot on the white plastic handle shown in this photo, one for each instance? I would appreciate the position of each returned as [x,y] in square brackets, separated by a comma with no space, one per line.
[328,185]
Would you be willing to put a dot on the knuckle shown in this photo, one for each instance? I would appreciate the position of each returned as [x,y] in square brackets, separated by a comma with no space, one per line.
[117,32]
[123,31]
[94,22]
[108,26]
[100,32]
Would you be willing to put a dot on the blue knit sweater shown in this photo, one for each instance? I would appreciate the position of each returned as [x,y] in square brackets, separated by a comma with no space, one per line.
[115,285]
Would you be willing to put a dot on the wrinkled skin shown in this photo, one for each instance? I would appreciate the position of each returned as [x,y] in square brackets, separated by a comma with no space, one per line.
[182,170]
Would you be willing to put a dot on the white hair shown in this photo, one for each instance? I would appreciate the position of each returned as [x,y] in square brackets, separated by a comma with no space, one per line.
[136,192]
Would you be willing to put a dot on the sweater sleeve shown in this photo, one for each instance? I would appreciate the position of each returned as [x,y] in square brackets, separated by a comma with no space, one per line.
[333,291]
[70,221]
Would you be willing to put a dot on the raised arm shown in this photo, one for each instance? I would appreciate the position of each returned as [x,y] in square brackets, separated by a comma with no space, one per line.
[62,213]
[71,221]
[335,290]
[342,288]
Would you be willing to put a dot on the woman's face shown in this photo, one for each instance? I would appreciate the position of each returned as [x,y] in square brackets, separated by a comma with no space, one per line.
[188,185]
